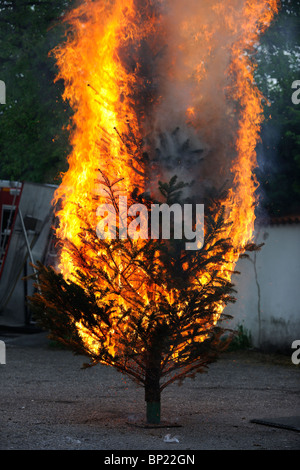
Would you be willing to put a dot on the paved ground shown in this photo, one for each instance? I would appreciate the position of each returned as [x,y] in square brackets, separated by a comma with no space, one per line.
[48,402]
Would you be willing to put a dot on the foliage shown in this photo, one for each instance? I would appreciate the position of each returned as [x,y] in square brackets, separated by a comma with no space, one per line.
[242,339]
[278,58]
[33,144]
[148,307]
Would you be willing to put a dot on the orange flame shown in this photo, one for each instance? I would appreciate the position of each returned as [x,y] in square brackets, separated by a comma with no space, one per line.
[203,75]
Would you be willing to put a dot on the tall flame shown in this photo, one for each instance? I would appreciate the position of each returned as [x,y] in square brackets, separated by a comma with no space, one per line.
[145,67]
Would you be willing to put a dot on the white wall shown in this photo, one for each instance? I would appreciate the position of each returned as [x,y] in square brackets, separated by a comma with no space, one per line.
[268,297]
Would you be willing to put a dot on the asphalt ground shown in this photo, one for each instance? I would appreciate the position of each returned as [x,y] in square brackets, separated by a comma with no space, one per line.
[48,402]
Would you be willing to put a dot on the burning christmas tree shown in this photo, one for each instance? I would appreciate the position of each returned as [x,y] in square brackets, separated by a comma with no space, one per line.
[158,89]
[148,307]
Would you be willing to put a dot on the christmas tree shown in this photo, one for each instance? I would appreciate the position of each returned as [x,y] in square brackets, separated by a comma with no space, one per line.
[147,307]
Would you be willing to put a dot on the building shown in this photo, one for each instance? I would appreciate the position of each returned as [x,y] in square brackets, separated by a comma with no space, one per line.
[268,288]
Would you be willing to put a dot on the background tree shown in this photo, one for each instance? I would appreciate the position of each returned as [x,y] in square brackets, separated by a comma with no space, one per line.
[278,58]
[33,145]
[149,308]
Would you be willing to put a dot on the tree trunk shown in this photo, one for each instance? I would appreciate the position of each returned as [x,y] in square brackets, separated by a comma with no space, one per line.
[153,374]
[152,395]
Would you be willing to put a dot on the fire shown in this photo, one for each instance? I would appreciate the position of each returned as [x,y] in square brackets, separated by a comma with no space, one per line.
[135,68]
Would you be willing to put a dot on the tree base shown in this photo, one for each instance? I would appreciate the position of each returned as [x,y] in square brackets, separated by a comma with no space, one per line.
[153,412]
[145,425]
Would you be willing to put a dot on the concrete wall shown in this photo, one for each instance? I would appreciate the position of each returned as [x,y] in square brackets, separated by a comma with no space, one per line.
[268,304]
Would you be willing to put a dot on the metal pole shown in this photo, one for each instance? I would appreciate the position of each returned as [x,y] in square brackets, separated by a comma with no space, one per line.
[26,238]
[28,245]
